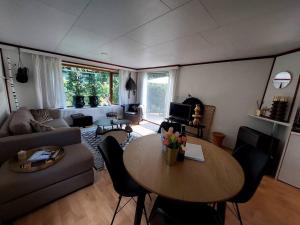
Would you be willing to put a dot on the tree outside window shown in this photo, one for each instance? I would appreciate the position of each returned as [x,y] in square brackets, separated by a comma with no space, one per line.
[87,82]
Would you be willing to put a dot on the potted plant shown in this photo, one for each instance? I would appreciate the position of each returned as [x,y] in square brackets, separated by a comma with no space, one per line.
[173,142]
[78,98]
[93,87]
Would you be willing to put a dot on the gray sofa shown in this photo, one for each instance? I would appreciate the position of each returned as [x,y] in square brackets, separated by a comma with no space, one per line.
[20,193]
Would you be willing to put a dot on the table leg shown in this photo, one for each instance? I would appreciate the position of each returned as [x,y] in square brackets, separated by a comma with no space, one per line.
[139,209]
[221,209]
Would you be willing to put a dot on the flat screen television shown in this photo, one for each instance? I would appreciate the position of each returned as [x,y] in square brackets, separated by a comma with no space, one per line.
[180,111]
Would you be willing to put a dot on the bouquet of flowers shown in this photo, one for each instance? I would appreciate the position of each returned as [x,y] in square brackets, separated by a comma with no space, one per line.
[173,140]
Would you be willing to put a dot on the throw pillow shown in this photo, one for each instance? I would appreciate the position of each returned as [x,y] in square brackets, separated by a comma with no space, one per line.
[4,130]
[20,122]
[39,127]
[41,115]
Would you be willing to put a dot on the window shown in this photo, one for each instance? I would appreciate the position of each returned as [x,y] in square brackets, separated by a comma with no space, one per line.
[85,81]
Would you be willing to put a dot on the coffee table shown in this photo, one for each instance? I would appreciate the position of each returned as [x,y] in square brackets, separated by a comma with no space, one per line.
[106,122]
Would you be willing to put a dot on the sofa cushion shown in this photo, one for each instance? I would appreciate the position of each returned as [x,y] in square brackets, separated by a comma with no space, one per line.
[20,122]
[57,123]
[41,115]
[4,130]
[40,127]
[133,107]
[77,159]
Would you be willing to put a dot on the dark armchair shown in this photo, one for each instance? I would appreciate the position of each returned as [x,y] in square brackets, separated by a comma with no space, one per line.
[133,112]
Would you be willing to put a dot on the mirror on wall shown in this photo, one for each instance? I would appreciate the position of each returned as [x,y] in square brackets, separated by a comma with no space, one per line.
[282,80]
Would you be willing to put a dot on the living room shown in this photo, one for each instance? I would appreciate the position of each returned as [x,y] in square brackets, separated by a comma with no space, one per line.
[225,75]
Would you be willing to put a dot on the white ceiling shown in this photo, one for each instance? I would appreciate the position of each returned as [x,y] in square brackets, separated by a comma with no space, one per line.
[146,33]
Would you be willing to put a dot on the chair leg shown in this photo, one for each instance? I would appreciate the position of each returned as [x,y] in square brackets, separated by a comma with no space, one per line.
[146,216]
[115,213]
[149,197]
[238,213]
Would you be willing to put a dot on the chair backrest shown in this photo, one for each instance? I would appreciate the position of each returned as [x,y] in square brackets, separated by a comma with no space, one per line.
[112,154]
[119,134]
[253,161]
[207,120]
[166,125]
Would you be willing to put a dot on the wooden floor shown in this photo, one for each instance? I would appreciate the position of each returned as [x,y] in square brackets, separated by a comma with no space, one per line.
[274,203]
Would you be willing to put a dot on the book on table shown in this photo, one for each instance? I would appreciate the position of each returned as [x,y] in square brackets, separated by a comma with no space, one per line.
[194,152]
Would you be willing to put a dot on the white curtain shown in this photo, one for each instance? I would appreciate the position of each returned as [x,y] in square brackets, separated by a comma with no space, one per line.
[123,95]
[48,80]
[173,77]
[142,90]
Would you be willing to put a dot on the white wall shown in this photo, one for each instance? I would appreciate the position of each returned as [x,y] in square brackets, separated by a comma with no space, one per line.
[288,63]
[233,87]
[4,107]
[25,91]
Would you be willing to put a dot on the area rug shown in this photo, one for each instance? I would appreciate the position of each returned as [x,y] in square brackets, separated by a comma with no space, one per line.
[92,142]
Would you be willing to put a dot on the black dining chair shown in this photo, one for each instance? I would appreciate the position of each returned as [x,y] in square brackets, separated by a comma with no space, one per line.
[160,217]
[172,212]
[166,125]
[123,184]
[253,162]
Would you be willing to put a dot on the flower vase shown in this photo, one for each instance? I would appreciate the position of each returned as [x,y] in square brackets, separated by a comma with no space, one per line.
[171,156]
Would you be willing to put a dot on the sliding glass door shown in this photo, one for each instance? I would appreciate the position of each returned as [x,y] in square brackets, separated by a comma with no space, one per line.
[157,96]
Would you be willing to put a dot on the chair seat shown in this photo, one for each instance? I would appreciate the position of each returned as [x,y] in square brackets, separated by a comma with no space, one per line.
[131,113]
[187,213]
[130,188]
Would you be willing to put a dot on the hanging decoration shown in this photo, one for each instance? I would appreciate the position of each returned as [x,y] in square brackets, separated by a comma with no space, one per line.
[10,82]
[130,85]
[22,72]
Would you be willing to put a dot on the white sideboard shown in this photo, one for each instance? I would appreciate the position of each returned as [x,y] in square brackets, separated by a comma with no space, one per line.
[290,168]
[97,112]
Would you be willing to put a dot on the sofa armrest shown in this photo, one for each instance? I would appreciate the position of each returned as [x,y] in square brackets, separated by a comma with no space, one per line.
[9,146]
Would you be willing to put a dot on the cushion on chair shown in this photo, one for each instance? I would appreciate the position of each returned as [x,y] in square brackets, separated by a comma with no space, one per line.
[20,122]
[133,107]
[77,159]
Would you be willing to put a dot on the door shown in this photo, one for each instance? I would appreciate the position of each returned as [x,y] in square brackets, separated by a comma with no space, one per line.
[157,96]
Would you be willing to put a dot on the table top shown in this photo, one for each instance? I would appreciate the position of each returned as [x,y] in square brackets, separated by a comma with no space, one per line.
[219,178]
[109,122]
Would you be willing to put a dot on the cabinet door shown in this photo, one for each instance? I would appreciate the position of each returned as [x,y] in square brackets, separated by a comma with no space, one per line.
[290,169]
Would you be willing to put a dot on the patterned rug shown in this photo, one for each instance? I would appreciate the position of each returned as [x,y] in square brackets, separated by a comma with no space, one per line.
[92,142]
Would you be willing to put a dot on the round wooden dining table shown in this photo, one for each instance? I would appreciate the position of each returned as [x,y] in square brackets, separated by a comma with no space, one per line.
[217,179]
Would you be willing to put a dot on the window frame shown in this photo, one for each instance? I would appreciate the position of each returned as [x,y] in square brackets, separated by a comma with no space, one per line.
[112,73]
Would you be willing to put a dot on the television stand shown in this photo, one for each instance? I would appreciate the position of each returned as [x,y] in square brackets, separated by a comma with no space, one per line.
[186,123]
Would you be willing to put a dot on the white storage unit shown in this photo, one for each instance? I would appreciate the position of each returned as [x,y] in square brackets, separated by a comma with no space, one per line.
[97,112]
[290,168]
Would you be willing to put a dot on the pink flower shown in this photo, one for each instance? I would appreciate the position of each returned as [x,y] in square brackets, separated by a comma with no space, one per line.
[166,142]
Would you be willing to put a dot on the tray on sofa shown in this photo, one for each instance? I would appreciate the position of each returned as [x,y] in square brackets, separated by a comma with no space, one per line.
[27,167]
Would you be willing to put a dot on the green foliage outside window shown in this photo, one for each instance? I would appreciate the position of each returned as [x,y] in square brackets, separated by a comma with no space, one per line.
[86,82]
